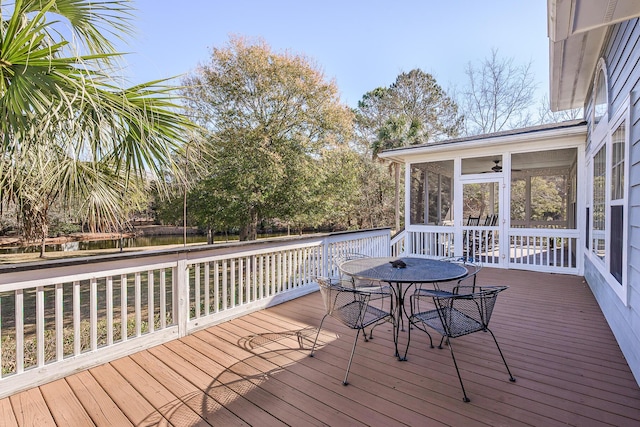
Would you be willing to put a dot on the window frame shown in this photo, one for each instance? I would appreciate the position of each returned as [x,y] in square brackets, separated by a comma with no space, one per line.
[602,136]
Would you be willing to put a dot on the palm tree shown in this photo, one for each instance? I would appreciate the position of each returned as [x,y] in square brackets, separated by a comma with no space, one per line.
[396,132]
[68,131]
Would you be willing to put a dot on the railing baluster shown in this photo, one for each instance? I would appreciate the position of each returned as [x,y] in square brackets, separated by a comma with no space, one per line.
[138,304]
[251,278]
[123,308]
[206,289]
[163,299]
[40,325]
[151,313]
[216,286]
[240,282]
[196,299]
[93,313]
[224,285]
[59,298]
[76,319]
[233,285]
[19,313]
[109,307]
[260,284]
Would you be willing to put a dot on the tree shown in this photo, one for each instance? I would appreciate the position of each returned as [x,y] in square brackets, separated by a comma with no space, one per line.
[545,115]
[498,95]
[269,115]
[68,131]
[413,110]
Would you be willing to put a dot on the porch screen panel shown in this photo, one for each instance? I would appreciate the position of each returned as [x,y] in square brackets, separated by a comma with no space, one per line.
[432,193]
[543,189]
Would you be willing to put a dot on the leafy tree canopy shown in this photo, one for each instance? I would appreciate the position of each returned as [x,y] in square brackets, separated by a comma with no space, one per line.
[269,116]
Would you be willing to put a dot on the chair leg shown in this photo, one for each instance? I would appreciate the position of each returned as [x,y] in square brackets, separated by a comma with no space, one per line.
[353,350]
[465,398]
[511,377]
[317,334]
[375,326]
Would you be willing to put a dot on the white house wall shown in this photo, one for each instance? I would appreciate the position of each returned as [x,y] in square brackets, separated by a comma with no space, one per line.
[622,57]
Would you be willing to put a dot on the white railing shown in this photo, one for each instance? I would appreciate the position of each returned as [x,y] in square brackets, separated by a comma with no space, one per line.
[481,243]
[60,317]
[551,250]
[430,242]
[398,244]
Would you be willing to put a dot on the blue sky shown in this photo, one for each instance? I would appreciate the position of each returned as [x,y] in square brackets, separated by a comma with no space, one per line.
[362,44]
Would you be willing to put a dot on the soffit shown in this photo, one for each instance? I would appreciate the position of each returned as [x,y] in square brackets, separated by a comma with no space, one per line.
[577,29]
[513,137]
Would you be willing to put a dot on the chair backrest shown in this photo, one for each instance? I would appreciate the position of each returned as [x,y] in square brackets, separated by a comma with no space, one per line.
[467,312]
[473,220]
[473,266]
[348,305]
[349,280]
[339,258]
[347,256]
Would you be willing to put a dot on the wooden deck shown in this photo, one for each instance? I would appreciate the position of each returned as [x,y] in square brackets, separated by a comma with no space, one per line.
[255,370]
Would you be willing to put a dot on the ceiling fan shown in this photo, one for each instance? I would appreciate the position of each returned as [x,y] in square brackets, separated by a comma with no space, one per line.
[497,168]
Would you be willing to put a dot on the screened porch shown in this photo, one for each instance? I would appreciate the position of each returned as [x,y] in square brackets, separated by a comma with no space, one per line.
[506,208]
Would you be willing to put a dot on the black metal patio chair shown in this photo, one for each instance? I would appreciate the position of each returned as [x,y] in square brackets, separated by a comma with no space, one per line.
[378,290]
[351,307]
[456,315]
[473,266]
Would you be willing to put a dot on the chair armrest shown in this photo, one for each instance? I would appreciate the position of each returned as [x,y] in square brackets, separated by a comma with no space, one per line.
[435,293]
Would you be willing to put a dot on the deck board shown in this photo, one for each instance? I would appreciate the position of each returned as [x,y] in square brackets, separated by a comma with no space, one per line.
[6,413]
[95,401]
[65,408]
[256,370]
[30,409]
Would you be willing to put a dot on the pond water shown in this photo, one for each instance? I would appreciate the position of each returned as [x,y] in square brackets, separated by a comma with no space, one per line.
[132,242]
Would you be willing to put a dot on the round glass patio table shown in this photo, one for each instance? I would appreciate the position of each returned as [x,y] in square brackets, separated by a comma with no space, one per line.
[417,270]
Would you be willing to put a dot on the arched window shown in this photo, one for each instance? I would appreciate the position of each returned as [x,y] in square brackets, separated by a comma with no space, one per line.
[600,102]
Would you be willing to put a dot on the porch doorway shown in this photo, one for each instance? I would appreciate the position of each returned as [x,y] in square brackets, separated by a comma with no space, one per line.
[483,225]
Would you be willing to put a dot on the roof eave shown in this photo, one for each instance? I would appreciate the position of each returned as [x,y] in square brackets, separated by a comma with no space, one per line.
[402,155]
[577,31]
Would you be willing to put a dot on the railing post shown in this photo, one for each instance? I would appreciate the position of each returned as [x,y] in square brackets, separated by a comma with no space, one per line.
[325,258]
[182,295]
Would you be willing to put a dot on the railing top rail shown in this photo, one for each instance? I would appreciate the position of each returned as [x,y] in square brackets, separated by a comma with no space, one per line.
[187,251]
[43,273]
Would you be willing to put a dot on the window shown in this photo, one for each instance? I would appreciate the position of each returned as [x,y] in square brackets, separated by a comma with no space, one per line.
[617,201]
[606,214]
[599,208]
[617,163]
[600,102]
